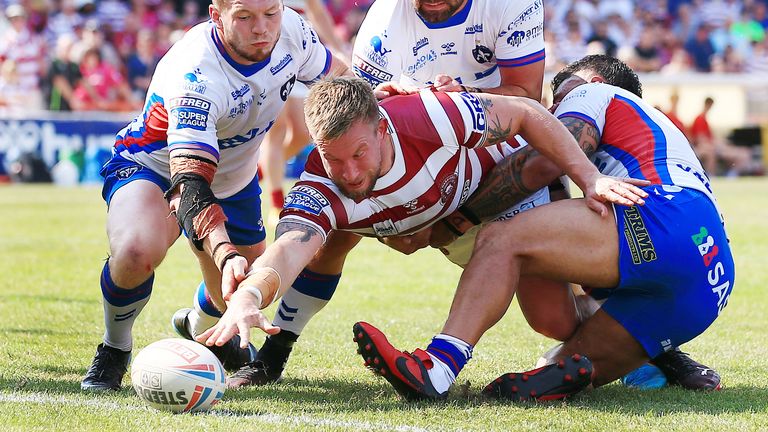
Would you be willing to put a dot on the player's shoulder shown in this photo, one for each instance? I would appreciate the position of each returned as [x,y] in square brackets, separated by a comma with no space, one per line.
[295,32]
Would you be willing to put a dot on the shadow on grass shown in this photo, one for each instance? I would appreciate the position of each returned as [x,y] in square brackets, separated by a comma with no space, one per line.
[349,396]
[45,298]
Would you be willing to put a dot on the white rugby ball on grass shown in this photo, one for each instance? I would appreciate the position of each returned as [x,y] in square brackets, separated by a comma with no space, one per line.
[178,375]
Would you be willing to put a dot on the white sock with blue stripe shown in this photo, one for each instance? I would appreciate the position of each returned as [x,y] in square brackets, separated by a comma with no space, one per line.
[307,296]
[121,307]
[205,314]
[449,355]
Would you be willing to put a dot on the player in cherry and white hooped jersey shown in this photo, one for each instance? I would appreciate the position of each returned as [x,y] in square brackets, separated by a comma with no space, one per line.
[492,46]
[439,159]
[192,153]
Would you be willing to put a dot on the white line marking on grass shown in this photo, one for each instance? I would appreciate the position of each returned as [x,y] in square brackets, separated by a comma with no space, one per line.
[278,419]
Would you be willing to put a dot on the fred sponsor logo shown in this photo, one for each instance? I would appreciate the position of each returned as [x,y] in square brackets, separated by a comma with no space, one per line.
[636,234]
[709,251]
[364,68]
[190,112]
[305,199]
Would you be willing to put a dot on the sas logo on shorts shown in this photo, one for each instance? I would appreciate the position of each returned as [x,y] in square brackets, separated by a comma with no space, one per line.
[709,251]
[128,172]
[637,237]
[306,199]
[190,112]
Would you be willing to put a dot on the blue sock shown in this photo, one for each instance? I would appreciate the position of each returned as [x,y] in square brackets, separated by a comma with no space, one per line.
[309,294]
[452,351]
[121,307]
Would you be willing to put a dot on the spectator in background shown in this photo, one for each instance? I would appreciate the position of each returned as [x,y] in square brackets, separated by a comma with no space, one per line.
[572,46]
[684,27]
[12,95]
[701,50]
[93,37]
[26,50]
[760,13]
[730,61]
[63,77]
[65,21]
[671,114]
[757,62]
[141,64]
[645,55]
[711,149]
[102,87]
[600,35]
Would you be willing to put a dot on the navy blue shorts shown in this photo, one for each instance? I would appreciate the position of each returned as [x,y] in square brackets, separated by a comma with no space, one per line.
[243,209]
[675,265]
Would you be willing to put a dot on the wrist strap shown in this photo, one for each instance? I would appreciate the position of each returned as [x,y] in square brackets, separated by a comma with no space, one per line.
[222,252]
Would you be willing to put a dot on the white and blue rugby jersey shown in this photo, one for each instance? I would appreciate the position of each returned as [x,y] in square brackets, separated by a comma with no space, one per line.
[395,44]
[201,99]
[636,140]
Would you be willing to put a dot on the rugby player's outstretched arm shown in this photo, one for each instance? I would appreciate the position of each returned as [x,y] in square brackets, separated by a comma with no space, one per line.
[268,278]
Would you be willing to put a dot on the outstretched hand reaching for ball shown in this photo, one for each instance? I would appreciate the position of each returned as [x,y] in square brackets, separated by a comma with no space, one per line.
[242,313]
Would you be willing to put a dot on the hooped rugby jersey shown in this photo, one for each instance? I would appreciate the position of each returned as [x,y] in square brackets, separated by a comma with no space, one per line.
[636,140]
[201,99]
[439,160]
[395,44]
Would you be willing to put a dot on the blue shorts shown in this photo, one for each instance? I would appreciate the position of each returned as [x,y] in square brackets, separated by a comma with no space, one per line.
[675,267]
[243,209]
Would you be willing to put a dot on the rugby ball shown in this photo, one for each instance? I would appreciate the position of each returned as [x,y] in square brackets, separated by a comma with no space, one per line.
[178,375]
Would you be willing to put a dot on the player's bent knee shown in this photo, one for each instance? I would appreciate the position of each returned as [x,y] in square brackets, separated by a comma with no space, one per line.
[136,259]
[553,327]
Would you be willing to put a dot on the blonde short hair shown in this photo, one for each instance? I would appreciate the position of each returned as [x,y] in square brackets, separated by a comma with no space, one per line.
[335,104]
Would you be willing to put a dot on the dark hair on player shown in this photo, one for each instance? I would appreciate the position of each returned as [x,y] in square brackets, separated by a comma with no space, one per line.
[615,72]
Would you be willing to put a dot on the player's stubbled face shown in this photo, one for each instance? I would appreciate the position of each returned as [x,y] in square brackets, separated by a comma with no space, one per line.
[435,11]
[251,28]
[353,160]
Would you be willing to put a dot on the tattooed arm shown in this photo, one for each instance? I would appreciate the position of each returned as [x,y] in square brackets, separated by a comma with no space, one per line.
[513,179]
[268,278]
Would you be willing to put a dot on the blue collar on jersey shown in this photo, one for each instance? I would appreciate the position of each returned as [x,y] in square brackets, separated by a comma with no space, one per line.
[457,19]
[245,70]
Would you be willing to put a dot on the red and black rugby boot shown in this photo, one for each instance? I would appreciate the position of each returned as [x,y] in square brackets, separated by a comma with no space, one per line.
[405,371]
[555,381]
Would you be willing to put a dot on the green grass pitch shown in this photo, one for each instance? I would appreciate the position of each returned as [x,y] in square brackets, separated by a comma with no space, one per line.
[52,243]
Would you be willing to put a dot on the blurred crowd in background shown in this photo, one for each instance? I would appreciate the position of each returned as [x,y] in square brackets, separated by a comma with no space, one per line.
[81,55]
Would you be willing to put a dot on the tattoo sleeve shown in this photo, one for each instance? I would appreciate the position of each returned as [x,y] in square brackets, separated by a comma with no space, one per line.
[585,133]
[302,233]
[503,187]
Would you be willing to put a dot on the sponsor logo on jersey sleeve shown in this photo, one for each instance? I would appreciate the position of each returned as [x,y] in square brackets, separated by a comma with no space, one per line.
[305,199]
[190,112]
[528,13]
[384,228]
[369,72]
[376,51]
[195,81]
[448,187]
[519,37]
